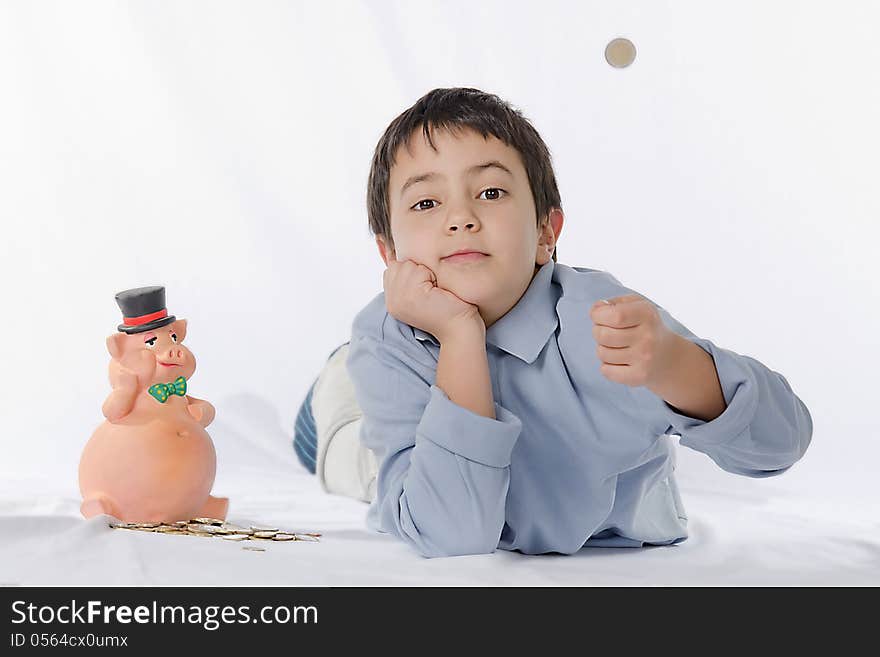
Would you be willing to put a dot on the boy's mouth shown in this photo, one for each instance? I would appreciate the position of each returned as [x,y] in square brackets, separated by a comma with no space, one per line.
[465,255]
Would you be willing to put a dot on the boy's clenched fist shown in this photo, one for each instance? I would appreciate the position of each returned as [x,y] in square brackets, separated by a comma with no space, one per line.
[633,344]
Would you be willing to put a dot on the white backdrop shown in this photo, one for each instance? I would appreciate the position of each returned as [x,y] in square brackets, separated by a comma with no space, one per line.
[221,149]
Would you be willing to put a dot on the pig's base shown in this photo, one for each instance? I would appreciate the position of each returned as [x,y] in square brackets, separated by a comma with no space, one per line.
[215,507]
[98,505]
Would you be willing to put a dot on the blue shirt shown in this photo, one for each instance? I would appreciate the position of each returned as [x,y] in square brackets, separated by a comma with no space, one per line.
[572,458]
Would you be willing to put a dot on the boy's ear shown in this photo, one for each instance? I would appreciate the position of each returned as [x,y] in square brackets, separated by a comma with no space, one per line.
[114,344]
[386,251]
[550,229]
[556,220]
[179,327]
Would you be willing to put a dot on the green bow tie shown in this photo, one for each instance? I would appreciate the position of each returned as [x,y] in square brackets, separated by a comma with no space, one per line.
[162,391]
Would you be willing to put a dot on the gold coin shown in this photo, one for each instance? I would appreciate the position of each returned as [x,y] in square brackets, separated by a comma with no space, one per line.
[620,53]
[283,537]
[260,528]
[207,521]
[236,537]
[266,533]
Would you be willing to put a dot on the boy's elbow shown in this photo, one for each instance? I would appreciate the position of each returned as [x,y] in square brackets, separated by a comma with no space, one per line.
[783,445]
[432,549]
[447,539]
[782,460]
[756,474]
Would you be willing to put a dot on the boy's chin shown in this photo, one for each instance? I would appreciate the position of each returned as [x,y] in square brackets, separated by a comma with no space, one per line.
[471,291]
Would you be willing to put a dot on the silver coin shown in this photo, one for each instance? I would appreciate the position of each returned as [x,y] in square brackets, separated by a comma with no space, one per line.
[307,537]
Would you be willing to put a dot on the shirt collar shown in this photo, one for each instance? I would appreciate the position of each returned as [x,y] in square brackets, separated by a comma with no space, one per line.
[524,329]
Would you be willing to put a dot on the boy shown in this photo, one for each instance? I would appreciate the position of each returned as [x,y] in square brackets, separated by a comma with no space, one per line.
[502,400]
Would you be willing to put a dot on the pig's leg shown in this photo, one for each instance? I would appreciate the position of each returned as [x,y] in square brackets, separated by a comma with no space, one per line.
[215,507]
[96,505]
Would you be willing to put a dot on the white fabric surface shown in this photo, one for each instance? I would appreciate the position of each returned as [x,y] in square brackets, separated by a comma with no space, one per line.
[743,532]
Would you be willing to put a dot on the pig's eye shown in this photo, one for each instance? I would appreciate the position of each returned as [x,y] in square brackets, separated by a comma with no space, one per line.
[150,343]
[174,337]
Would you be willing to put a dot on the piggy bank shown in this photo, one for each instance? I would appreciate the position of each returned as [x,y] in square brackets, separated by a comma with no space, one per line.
[151,460]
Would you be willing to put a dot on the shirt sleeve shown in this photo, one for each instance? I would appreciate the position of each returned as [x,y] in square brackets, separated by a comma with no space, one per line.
[443,470]
[765,428]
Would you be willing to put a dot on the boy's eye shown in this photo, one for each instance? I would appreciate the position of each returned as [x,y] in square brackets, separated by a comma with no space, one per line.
[174,337]
[494,193]
[150,343]
[419,206]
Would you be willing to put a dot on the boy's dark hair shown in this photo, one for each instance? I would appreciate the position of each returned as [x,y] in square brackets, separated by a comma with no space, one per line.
[454,109]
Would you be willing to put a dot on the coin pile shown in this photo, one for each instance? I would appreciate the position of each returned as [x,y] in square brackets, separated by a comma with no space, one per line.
[214,527]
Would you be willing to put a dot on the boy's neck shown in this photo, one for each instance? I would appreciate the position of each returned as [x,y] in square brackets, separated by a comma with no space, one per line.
[489,322]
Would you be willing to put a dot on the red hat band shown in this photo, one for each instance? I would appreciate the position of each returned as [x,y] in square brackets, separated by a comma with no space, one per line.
[143,319]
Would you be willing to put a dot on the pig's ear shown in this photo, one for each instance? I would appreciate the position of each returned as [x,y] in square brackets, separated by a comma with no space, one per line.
[179,327]
[114,344]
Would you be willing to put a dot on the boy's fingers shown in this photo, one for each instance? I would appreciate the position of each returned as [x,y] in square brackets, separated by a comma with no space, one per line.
[616,315]
[616,301]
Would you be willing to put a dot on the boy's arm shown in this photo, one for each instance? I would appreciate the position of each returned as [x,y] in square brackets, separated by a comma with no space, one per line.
[463,370]
[443,457]
[764,428]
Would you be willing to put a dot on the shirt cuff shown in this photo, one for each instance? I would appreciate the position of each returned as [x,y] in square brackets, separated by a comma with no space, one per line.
[468,434]
[740,390]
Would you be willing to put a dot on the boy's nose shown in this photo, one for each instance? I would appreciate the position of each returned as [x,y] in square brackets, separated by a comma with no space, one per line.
[455,224]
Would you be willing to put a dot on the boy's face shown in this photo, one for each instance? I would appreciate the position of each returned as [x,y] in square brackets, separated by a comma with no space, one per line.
[471,193]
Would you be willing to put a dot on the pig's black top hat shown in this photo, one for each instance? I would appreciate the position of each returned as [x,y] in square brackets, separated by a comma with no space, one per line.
[143,309]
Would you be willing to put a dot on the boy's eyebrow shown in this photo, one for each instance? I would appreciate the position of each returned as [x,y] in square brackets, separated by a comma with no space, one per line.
[412,180]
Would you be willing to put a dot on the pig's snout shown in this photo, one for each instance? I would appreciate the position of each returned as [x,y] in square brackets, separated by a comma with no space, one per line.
[172,357]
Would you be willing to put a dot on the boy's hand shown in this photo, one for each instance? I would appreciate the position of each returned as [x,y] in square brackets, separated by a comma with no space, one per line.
[412,296]
[633,344]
